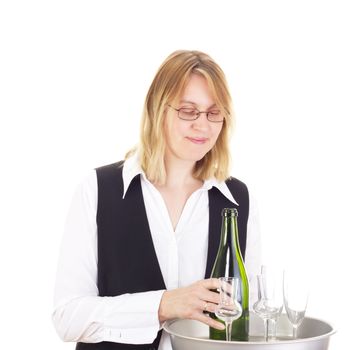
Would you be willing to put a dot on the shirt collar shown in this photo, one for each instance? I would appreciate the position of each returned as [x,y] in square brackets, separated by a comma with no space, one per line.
[133,168]
[222,187]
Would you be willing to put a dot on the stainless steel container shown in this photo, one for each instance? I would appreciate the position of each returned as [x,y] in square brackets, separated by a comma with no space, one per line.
[313,334]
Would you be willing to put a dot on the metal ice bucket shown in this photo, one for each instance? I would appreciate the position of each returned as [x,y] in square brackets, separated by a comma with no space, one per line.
[313,334]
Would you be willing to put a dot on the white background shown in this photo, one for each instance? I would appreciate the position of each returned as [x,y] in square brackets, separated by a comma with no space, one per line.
[73,78]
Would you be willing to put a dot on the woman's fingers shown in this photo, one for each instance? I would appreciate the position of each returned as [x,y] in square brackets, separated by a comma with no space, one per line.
[210,296]
[190,302]
[210,283]
[209,321]
[209,307]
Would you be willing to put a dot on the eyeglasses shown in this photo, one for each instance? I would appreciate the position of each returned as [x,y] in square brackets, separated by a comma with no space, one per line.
[190,113]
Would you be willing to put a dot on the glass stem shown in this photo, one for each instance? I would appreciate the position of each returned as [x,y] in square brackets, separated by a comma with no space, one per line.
[228,330]
[266,330]
[272,328]
[295,330]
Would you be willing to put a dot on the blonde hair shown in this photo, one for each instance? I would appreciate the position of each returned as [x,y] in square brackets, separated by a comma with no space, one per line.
[167,86]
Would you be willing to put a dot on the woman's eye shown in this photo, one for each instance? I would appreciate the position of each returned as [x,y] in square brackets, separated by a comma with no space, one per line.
[188,111]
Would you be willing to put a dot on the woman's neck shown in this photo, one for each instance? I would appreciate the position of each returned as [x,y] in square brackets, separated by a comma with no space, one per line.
[179,173]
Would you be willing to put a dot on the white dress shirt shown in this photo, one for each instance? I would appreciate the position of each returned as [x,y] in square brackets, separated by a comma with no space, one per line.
[81,315]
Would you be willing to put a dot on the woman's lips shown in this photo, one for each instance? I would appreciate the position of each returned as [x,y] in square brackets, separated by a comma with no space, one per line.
[198,140]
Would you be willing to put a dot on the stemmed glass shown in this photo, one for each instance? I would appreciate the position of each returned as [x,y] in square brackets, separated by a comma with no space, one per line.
[229,309]
[270,303]
[295,295]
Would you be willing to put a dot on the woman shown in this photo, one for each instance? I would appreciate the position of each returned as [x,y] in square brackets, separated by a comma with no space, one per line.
[141,234]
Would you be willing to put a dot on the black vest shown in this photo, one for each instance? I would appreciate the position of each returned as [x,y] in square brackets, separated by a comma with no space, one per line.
[125,246]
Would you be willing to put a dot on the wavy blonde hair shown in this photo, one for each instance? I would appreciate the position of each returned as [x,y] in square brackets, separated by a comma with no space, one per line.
[167,86]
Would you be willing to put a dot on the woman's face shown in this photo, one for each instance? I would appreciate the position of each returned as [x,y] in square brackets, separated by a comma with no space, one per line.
[191,140]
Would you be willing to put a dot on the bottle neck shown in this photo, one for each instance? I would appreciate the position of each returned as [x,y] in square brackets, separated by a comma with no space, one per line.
[229,232]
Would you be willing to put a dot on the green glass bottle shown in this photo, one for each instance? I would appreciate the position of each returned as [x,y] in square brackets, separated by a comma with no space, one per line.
[229,263]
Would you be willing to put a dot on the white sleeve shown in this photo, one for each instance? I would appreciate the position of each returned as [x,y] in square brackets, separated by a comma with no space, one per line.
[79,313]
[253,249]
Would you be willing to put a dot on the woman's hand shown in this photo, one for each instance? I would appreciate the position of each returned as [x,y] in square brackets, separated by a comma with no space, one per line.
[190,302]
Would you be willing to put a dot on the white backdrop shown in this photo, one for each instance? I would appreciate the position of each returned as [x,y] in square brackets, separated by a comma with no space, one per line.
[73,77]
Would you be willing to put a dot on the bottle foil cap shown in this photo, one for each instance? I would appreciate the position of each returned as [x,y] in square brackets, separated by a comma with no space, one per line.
[229,212]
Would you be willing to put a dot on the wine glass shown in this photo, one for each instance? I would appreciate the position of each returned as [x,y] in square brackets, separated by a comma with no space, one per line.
[270,302]
[229,309]
[295,295]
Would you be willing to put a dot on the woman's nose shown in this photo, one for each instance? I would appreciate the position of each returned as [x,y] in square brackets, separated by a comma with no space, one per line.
[201,123]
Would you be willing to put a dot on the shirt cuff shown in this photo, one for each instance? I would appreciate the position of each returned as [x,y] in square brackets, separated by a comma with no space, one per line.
[134,319]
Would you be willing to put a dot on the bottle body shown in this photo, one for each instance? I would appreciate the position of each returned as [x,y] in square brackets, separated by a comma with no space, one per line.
[229,263]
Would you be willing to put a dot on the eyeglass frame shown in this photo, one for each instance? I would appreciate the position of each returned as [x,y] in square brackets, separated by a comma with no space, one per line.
[198,114]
